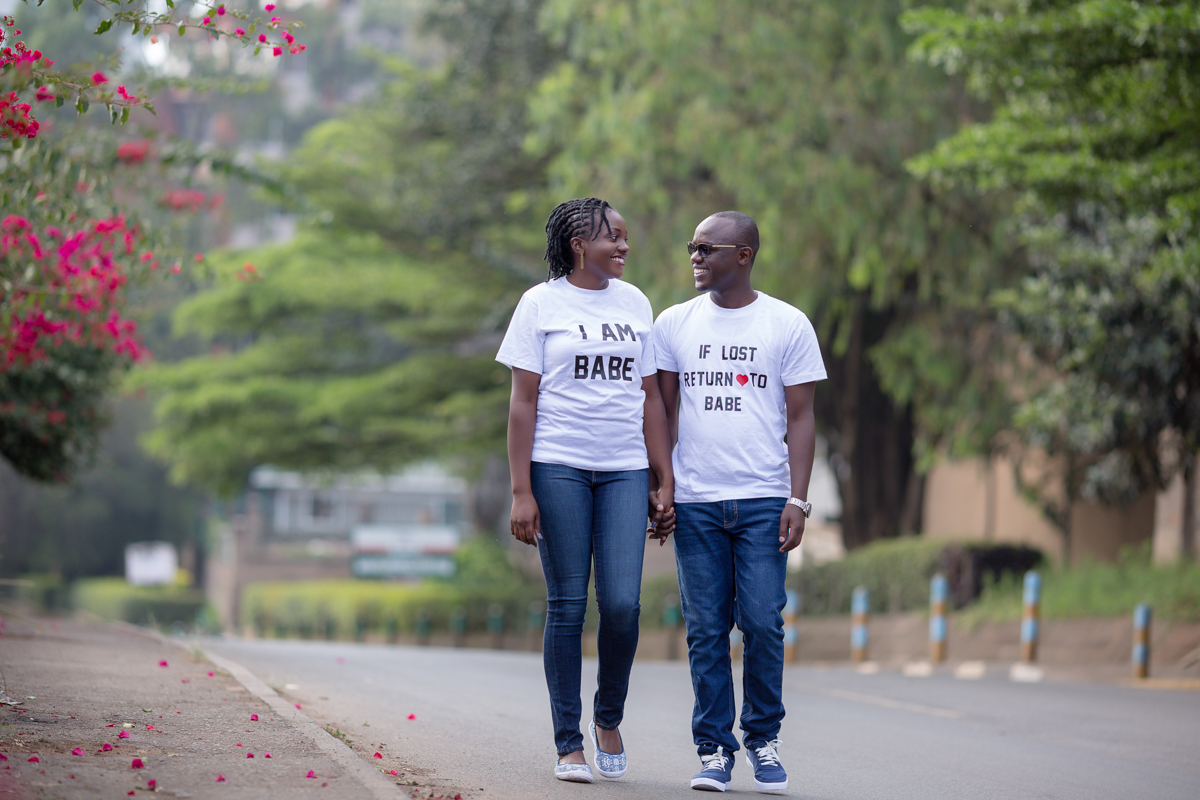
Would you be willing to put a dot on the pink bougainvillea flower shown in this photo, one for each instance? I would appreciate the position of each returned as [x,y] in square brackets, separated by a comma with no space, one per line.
[311,774]
[149,727]
[220,11]
[43,94]
[262,37]
[297,705]
[3,757]
[137,763]
[99,78]
[393,772]
[254,717]
[198,257]
[267,754]
[78,751]
[34,760]
[249,755]
[276,51]
[105,748]
[123,735]
[220,778]
[206,21]
[162,663]
[150,784]
[240,31]
[269,7]
[412,716]
[239,744]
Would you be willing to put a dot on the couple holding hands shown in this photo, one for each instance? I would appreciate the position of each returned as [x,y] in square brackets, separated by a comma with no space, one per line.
[708,412]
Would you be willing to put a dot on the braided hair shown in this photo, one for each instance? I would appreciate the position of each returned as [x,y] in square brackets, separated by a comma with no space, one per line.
[573,218]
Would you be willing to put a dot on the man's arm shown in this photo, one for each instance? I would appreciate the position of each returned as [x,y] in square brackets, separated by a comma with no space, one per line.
[802,446]
[658,449]
[668,387]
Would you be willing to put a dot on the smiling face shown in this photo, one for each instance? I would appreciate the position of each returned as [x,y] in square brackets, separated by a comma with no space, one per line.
[724,270]
[599,259]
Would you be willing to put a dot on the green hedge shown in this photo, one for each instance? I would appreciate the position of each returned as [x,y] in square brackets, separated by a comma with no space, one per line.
[113,598]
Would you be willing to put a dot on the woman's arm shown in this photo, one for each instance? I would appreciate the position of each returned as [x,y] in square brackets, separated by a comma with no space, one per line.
[525,520]
[658,450]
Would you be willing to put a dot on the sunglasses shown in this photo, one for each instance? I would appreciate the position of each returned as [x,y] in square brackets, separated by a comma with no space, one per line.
[705,249]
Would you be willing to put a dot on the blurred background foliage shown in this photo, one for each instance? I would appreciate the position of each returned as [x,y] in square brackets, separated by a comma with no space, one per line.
[988,209]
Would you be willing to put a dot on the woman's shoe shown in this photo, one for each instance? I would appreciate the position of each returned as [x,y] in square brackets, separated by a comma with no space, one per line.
[578,773]
[610,765]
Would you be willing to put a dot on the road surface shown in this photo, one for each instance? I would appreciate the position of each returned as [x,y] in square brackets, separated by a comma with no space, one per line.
[482,726]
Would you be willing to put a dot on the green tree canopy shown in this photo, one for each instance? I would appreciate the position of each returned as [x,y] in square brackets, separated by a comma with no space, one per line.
[1097,135]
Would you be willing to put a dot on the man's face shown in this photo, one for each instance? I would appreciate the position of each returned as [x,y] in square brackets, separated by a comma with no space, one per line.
[723,267]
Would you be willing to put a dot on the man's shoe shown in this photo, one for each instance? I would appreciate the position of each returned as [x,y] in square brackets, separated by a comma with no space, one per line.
[769,775]
[610,765]
[716,773]
[577,773]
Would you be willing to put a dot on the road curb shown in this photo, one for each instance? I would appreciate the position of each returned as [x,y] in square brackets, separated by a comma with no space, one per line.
[371,779]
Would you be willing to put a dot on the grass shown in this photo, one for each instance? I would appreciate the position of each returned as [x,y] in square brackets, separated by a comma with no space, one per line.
[1100,590]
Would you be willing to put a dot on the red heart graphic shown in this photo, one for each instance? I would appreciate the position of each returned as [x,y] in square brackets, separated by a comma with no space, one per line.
[741,379]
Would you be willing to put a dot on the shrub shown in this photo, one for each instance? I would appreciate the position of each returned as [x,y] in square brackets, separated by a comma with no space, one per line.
[113,598]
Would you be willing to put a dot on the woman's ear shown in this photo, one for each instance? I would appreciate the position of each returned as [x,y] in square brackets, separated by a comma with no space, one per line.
[577,245]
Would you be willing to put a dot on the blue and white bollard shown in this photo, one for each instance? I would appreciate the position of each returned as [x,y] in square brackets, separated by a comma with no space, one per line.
[789,626]
[1030,615]
[1141,641]
[938,591]
[860,607]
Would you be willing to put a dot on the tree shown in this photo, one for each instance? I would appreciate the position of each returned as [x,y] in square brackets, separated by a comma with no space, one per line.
[801,115]
[369,341]
[69,252]
[1097,135]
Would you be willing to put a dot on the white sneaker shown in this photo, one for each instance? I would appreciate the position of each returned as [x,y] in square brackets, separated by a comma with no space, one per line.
[577,773]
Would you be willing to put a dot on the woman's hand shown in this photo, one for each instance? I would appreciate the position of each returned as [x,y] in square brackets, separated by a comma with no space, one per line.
[525,521]
[662,513]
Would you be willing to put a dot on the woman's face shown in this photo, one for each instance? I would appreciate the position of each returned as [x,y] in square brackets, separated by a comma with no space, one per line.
[602,258]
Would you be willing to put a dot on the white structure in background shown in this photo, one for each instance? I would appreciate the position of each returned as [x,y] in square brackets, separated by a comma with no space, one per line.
[151,563]
[403,551]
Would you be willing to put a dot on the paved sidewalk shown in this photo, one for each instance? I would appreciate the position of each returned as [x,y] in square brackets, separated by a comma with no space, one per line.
[189,723]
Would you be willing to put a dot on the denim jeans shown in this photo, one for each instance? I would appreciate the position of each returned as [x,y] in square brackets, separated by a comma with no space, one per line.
[589,516]
[731,571]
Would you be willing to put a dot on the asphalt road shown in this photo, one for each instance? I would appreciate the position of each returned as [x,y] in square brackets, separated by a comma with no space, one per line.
[483,726]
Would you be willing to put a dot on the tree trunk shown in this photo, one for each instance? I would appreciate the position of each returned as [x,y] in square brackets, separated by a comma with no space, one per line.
[1187,538]
[871,438]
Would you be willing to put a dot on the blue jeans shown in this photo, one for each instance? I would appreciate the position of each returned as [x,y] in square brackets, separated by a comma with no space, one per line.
[589,516]
[731,570]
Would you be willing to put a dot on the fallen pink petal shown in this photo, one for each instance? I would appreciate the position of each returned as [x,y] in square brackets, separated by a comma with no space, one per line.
[267,754]
[111,725]
[412,716]
[377,755]
[220,778]
[106,748]
[123,735]
[149,727]
[185,680]
[297,705]
[137,763]
[198,257]
[393,772]
[249,755]
[78,751]
[311,774]
[239,744]
[254,717]
[162,663]
[34,760]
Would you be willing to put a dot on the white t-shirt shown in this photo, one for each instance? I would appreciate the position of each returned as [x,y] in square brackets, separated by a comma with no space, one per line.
[592,349]
[733,365]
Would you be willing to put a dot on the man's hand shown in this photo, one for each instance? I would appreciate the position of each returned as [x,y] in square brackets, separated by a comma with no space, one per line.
[662,514]
[525,521]
[791,528]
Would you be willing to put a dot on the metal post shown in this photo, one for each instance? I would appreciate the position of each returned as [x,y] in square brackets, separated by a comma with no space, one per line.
[671,620]
[496,625]
[860,609]
[937,618]
[535,625]
[1029,617]
[790,606]
[1141,641]
[458,625]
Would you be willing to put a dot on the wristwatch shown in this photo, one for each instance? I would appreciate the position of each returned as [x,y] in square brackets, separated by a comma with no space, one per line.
[803,505]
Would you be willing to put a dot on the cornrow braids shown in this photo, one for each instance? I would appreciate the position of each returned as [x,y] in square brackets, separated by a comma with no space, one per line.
[573,218]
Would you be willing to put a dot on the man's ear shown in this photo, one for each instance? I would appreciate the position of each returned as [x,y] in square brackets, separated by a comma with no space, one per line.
[745,256]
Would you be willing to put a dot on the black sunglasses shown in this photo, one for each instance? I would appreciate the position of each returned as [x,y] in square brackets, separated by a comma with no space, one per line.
[705,249]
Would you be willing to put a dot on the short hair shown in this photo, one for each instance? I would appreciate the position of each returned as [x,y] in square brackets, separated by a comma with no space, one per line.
[745,229]
[583,218]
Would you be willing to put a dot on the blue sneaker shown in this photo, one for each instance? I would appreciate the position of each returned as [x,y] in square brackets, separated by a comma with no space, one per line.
[716,774]
[610,765]
[769,775]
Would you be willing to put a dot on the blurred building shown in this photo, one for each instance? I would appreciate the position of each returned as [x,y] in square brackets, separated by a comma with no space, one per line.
[292,526]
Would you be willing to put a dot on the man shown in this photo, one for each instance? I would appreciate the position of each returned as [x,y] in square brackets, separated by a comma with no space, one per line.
[737,372]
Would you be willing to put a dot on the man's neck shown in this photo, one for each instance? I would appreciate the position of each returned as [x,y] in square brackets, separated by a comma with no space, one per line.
[740,297]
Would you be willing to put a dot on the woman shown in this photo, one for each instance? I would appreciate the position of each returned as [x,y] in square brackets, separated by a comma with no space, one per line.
[584,418]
